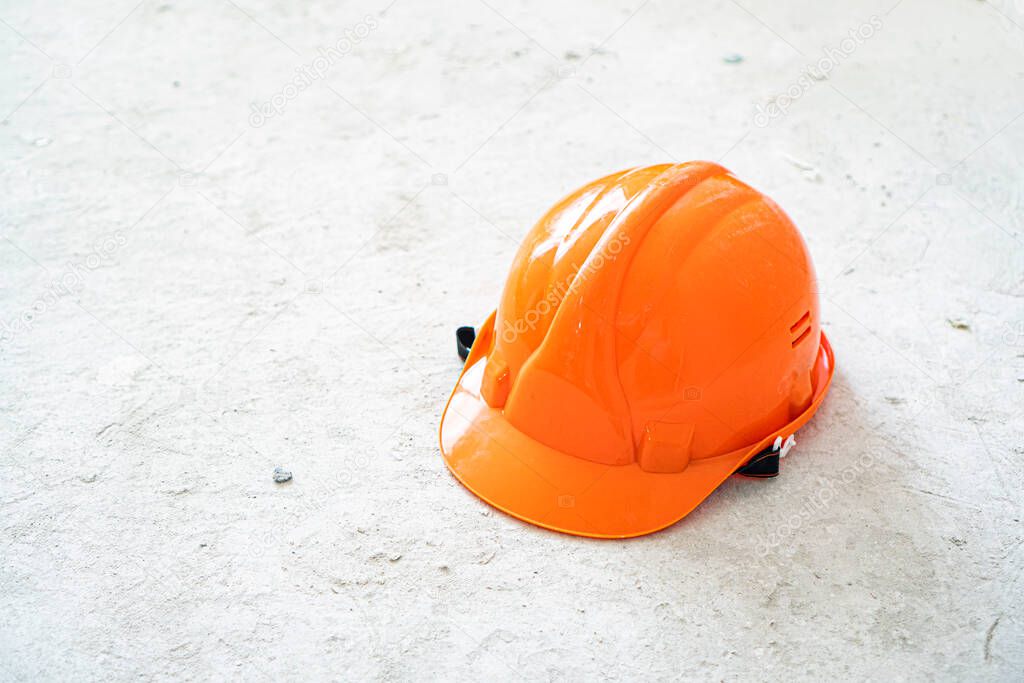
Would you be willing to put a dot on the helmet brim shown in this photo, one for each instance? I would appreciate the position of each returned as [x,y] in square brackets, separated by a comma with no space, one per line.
[548,488]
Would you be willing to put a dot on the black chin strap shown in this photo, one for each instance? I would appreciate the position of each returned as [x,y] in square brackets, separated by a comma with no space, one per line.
[764,465]
[464,338]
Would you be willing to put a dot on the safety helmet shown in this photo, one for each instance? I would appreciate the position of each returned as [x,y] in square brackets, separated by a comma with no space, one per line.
[659,331]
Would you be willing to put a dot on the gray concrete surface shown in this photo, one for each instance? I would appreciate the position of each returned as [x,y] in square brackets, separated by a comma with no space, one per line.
[196,289]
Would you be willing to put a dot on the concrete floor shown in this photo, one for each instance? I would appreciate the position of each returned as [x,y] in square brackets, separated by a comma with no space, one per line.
[196,288]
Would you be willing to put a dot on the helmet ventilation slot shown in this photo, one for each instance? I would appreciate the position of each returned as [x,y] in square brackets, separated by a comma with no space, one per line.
[803,323]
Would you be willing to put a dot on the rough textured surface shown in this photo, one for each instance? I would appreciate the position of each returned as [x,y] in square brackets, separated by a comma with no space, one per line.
[190,299]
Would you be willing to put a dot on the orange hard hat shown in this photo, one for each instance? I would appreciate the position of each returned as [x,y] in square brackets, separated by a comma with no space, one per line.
[659,331]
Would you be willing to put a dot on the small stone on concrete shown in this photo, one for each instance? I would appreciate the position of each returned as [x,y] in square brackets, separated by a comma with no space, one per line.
[281,475]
